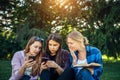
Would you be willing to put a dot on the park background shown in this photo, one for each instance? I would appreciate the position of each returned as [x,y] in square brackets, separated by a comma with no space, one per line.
[99,20]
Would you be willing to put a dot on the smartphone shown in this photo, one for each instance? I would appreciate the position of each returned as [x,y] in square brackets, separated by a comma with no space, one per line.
[45,59]
[32,57]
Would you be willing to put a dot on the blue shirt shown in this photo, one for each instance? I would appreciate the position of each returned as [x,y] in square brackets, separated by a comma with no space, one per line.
[93,54]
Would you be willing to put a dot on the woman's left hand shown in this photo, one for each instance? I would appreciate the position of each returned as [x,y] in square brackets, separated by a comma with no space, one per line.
[51,64]
[43,66]
[91,70]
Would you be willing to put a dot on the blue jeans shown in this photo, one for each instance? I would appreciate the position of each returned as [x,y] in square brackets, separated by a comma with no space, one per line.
[25,77]
[84,74]
[45,75]
[49,74]
[68,74]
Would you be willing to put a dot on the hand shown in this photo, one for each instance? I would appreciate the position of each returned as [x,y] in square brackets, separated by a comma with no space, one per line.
[28,63]
[52,64]
[43,65]
[73,56]
[91,70]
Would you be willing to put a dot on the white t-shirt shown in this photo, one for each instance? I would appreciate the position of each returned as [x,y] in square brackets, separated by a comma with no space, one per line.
[81,62]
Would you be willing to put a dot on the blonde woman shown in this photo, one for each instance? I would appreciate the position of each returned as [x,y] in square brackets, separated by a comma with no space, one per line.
[82,53]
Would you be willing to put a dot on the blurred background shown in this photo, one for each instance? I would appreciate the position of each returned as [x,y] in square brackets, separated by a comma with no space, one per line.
[98,20]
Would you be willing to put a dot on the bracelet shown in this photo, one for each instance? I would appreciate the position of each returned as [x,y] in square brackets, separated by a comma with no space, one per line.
[56,67]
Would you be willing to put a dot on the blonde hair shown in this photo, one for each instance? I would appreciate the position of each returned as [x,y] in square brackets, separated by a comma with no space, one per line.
[77,36]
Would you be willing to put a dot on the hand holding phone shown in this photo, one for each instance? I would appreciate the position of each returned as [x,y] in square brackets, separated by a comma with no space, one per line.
[32,57]
[44,59]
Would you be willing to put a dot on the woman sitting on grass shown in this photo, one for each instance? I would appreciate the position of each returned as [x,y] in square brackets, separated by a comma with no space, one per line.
[26,63]
[58,58]
[82,53]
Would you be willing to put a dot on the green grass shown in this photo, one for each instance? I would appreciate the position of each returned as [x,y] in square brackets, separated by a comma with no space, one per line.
[5,70]
[111,70]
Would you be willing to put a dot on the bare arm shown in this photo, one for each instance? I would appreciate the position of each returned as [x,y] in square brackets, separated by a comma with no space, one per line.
[25,65]
[59,69]
[52,64]
[73,56]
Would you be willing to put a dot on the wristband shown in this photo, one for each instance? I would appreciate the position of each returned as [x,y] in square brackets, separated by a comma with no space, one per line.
[56,67]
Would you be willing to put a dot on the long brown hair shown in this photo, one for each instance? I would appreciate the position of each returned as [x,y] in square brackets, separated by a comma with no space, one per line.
[35,69]
[57,38]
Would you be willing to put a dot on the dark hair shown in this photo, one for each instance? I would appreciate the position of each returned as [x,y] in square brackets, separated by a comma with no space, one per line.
[55,37]
[35,69]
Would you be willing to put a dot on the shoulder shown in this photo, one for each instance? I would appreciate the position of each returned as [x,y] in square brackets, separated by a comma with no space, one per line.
[19,53]
[65,55]
[92,49]
[63,51]
[17,56]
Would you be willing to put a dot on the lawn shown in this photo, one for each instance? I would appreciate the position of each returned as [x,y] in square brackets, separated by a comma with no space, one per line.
[111,70]
[5,70]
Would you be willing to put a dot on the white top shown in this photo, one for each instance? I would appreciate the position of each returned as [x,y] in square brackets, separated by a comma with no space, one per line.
[17,61]
[81,62]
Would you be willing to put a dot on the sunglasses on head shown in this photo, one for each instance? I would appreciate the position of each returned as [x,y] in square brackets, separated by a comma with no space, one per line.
[39,39]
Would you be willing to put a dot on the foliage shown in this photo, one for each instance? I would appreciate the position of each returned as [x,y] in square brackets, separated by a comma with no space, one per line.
[99,20]
[7,41]
[111,29]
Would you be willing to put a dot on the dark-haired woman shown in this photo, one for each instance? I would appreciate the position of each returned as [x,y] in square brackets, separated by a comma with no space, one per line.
[58,58]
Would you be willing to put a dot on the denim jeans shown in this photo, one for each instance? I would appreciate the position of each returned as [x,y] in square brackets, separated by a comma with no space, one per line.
[84,74]
[73,74]
[50,74]
[45,75]
[25,77]
[68,74]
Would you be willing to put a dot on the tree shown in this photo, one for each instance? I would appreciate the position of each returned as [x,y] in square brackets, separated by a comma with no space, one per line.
[97,19]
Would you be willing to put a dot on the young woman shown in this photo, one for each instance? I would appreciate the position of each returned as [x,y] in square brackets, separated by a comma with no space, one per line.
[26,63]
[58,58]
[82,53]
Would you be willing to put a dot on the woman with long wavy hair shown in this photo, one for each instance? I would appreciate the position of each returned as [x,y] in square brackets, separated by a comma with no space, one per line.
[26,63]
[58,58]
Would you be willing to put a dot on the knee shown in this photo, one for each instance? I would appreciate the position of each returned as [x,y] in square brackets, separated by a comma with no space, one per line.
[84,72]
[43,75]
[45,72]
